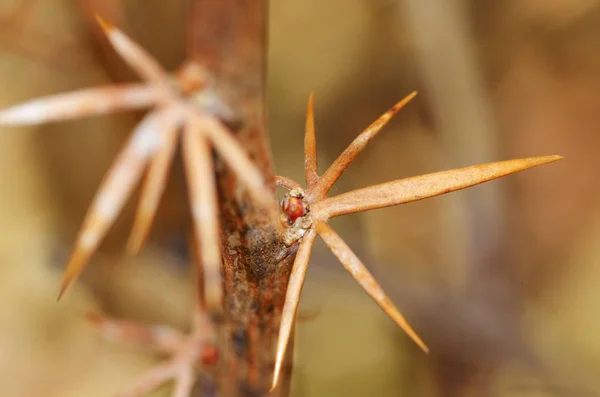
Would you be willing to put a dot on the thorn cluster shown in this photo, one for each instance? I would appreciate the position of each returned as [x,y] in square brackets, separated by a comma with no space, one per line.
[307,211]
[181,104]
[186,352]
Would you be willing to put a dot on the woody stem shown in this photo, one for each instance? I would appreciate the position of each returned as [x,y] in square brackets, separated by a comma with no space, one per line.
[228,37]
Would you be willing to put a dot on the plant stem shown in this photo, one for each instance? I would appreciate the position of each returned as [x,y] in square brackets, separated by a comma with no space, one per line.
[228,37]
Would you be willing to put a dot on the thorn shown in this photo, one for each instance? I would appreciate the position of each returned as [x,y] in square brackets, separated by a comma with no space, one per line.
[80,103]
[360,273]
[152,379]
[63,287]
[154,187]
[205,208]
[337,168]
[292,298]
[310,145]
[136,57]
[74,268]
[105,25]
[237,158]
[422,186]
[286,183]
[139,233]
[119,182]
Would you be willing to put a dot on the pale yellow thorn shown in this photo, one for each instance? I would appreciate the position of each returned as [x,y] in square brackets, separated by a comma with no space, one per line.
[160,338]
[310,145]
[104,24]
[360,273]
[184,382]
[335,170]
[205,211]
[421,187]
[118,184]
[134,55]
[80,103]
[154,186]
[238,160]
[292,298]
[151,380]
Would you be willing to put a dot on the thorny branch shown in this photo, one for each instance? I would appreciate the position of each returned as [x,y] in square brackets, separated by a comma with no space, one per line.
[228,37]
[191,99]
[246,252]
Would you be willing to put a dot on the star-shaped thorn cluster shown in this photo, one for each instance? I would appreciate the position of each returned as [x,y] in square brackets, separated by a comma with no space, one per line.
[184,103]
[307,211]
[187,353]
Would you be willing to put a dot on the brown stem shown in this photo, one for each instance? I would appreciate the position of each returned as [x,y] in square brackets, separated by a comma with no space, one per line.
[228,37]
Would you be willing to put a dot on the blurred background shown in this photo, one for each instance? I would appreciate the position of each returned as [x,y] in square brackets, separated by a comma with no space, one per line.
[500,280]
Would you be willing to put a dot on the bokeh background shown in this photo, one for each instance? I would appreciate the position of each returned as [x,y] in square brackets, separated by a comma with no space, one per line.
[500,280]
